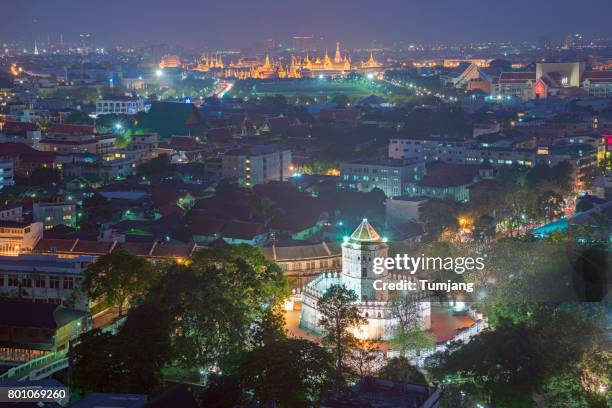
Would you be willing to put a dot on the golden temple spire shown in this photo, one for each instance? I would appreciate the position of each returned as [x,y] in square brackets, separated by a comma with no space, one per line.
[326,59]
[337,57]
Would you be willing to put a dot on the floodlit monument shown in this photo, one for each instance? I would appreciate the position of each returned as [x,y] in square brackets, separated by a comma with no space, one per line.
[358,254]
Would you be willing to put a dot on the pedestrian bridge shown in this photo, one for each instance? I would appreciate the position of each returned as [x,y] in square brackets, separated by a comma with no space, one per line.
[38,368]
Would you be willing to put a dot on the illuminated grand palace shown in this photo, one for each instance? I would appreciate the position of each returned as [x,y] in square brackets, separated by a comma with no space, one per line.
[306,67]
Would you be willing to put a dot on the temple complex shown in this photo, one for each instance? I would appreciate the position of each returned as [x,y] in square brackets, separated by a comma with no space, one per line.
[170,61]
[307,67]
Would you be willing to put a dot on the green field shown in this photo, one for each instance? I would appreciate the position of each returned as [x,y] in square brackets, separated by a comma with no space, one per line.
[305,87]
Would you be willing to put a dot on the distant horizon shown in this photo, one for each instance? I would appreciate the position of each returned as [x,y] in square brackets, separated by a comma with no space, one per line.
[202,24]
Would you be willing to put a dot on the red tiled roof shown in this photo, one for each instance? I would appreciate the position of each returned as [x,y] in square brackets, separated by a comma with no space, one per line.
[243,230]
[51,245]
[597,75]
[517,76]
[92,247]
[68,142]
[184,142]
[206,226]
[18,128]
[296,221]
[60,128]
[219,134]
[278,124]
[136,248]
[173,250]
[442,175]
[25,153]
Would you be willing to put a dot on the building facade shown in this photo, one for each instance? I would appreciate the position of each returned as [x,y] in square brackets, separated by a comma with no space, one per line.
[427,148]
[16,237]
[6,174]
[52,214]
[391,176]
[119,106]
[257,165]
[44,279]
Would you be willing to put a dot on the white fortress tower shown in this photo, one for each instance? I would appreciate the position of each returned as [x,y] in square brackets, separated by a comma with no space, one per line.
[358,253]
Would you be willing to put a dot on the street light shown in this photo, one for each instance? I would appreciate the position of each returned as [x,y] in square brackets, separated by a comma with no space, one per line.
[118,126]
[159,73]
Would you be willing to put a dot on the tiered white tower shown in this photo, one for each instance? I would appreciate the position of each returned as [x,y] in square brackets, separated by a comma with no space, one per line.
[358,254]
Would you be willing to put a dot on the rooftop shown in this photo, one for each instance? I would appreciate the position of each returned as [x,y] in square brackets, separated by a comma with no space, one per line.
[365,233]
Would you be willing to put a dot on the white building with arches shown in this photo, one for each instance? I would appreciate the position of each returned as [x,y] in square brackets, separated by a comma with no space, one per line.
[358,254]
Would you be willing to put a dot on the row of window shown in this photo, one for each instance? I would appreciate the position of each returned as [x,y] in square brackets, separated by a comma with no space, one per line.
[310,265]
[54,282]
[374,170]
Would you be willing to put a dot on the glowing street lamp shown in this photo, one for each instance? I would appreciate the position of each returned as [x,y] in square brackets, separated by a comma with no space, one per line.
[159,73]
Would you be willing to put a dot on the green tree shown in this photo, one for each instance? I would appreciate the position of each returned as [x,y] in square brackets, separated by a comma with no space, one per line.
[407,335]
[42,176]
[339,316]
[78,118]
[288,373]
[155,168]
[399,369]
[215,299]
[130,361]
[484,228]
[115,278]
[365,358]
[511,362]
[438,215]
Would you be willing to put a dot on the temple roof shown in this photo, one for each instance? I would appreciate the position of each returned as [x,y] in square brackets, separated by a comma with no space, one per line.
[365,232]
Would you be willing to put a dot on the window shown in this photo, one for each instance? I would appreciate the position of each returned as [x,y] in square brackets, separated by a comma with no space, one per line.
[26,282]
[1,280]
[53,282]
[13,280]
[68,283]
[364,272]
[40,282]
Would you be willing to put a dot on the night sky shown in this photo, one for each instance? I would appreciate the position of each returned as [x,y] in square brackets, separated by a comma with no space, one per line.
[235,23]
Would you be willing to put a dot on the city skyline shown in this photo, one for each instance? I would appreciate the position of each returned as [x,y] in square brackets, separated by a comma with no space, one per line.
[209,24]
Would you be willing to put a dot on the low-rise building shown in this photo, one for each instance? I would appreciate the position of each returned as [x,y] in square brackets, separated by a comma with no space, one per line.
[391,176]
[25,158]
[11,212]
[29,330]
[501,156]
[79,144]
[20,132]
[6,174]
[52,214]
[44,279]
[427,148]
[446,181]
[119,105]
[402,209]
[16,237]
[302,261]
